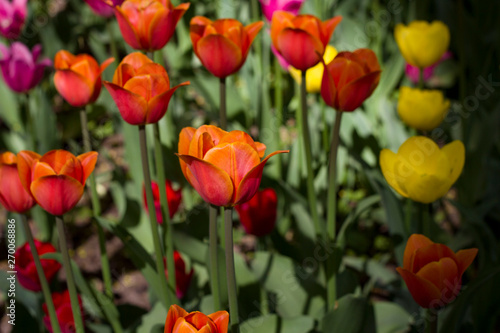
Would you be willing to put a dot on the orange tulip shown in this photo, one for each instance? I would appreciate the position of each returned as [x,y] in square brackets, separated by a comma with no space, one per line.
[180,321]
[78,78]
[433,272]
[56,180]
[222,45]
[225,168]
[12,194]
[301,39]
[350,79]
[148,24]
[141,89]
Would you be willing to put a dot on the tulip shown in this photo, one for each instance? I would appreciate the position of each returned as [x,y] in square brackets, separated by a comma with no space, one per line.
[422,109]
[301,39]
[433,272]
[78,78]
[180,321]
[413,72]
[22,69]
[350,79]
[57,179]
[141,90]
[421,43]
[103,7]
[182,277]
[13,196]
[420,170]
[174,198]
[148,24]
[222,45]
[271,6]
[258,215]
[225,168]
[12,17]
[314,76]
[63,311]
[25,265]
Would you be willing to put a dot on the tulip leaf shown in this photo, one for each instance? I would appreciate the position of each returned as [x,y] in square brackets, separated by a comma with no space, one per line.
[10,110]
[391,318]
[351,315]
[376,270]
[274,324]
[154,320]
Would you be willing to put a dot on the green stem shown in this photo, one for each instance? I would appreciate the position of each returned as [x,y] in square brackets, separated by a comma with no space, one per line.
[29,123]
[426,219]
[160,170]
[73,295]
[264,296]
[231,277]
[160,268]
[223,119]
[112,41]
[332,208]
[41,276]
[431,320]
[214,267]
[326,136]
[313,206]
[408,216]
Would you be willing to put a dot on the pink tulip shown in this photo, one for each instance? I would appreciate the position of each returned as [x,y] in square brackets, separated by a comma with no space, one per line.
[102,7]
[270,6]
[12,17]
[413,72]
[21,68]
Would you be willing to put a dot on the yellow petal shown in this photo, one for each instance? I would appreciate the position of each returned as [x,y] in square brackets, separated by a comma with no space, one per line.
[455,152]
[388,161]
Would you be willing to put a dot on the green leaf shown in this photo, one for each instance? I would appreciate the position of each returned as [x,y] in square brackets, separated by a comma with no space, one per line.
[391,318]
[352,315]
[154,320]
[274,324]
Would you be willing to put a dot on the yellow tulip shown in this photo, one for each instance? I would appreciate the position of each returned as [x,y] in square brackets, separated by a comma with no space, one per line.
[314,75]
[421,43]
[422,109]
[420,170]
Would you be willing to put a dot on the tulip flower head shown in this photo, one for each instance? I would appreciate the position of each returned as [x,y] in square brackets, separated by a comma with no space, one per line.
[182,278]
[271,6]
[222,45]
[421,43]
[64,313]
[25,265]
[420,170]
[422,109]
[21,68]
[174,198]
[103,8]
[433,272]
[12,17]
[141,89]
[180,321]
[148,24]
[258,215]
[57,179]
[350,79]
[13,196]
[225,168]
[78,78]
[301,39]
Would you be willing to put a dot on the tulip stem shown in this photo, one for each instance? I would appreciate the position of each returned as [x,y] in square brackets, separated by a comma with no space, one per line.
[231,277]
[431,319]
[214,258]
[160,268]
[70,280]
[332,209]
[278,100]
[223,119]
[160,170]
[313,206]
[41,276]
[112,41]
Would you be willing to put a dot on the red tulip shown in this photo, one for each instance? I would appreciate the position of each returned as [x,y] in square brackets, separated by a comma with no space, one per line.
[12,194]
[222,45]
[174,198]
[182,278]
[78,78]
[57,179]
[148,24]
[64,313]
[26,269]
[180,321]
[433,272]
[141,89]
[301,39]
[350,79]
[258,215]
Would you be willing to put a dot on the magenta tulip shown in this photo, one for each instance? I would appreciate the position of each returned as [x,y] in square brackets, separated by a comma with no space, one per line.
[102,7]
[12,17]
[270,6]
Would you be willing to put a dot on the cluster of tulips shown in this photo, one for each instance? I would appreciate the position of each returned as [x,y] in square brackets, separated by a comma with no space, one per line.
[224,167]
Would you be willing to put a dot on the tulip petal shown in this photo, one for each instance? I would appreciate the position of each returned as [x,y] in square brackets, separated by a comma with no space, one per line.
[281,20]
[328,27]
[106,63]
[25,160]
[455,151]
[88,161]
[132,107]
[219,55]
[369,59]
[12,194]
[182,326]
[240,136]
[185,137]
[162,26]
[415,242]
[328,88]
[424,292]
[443,274]
[157,107]
[221,320]
[355,92]
[57,194]
[73,87]
[215,133]
[390,165]
[63,60]
[40,169]
[197,28]
[465,259]
[251,32]
[127,30]
[174,312]
[212,183]
[57,159]
[430,253]
[299,48]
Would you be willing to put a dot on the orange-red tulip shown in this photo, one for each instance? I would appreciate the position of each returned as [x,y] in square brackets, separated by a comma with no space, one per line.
[433,272]
[180,321]
[78,78]
[301,39]
[12,194]
[350,79]
[141,89]
[57,179]
[222,45]
[225,168]
[148,24]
